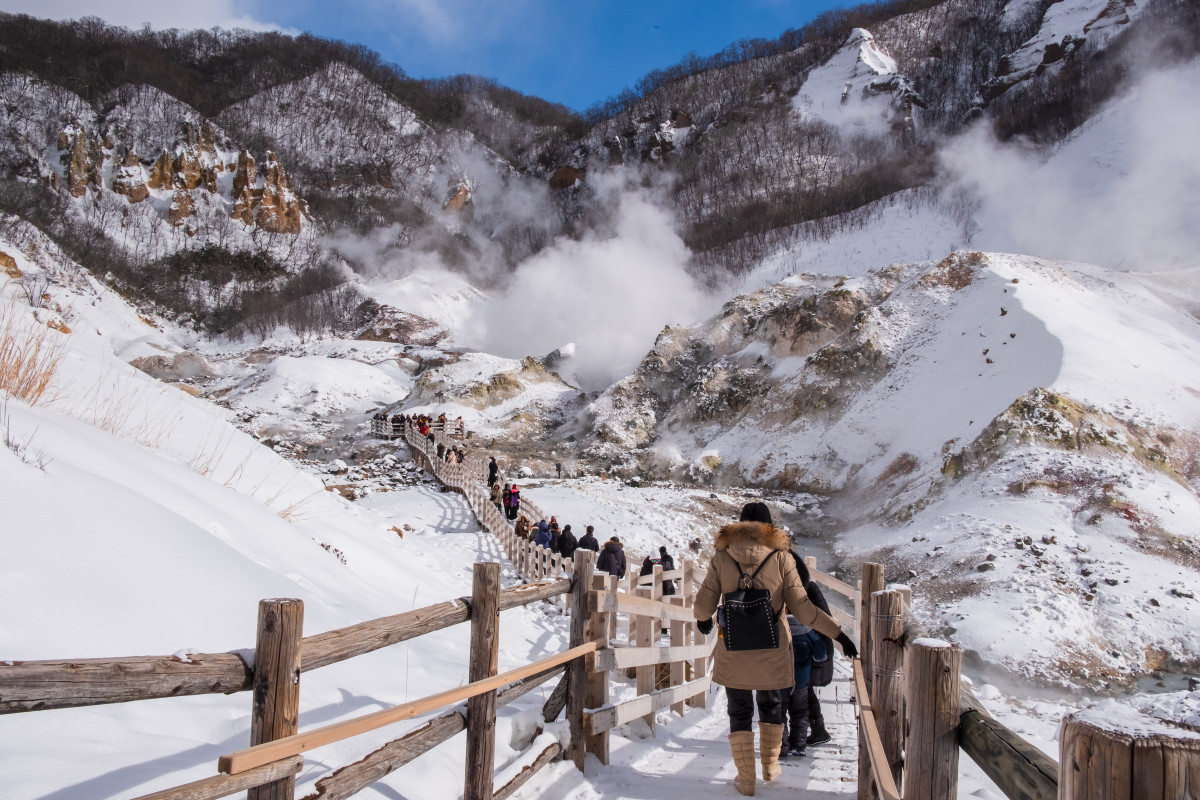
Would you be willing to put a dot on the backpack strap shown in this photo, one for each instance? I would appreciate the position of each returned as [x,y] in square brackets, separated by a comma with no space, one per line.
[742,576]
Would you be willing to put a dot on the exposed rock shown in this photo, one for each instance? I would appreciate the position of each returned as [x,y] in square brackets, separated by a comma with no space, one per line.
[245,176]
[9,265]
[393,325]
[129,179]
[280,210]
[461,201]
[181,207]
[83,160]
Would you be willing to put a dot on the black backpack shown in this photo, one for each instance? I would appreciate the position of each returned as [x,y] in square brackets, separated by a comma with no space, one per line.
[750,622]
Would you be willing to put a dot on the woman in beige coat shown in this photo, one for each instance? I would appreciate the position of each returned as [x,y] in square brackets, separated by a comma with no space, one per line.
[753,677]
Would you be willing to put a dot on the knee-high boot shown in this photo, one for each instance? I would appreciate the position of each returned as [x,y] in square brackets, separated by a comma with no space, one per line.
[742,745]
[770,738]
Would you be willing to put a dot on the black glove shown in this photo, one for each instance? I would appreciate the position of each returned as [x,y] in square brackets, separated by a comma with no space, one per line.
[847,646]
[704,626]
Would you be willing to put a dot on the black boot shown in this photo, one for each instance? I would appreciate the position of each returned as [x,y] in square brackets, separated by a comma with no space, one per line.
[818,735]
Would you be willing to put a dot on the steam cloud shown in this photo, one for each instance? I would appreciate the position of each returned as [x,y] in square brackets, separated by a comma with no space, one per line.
[609,294]
[1124,192]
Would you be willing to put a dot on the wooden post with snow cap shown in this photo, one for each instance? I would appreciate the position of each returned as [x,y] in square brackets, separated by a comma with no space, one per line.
[932,671]
[872,581]
[276,690]
[1126,755]
[887,664]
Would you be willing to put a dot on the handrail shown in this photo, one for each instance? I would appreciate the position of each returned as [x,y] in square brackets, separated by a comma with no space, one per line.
[251,757]
[880,771]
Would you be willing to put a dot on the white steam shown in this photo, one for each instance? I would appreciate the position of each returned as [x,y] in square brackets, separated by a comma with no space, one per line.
[609,294]
[1124,192]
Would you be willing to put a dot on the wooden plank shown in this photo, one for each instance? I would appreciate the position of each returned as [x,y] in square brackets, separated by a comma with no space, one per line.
[1020,770]
[847,621]
[605,718]
[225,785]
[521,778]
[330,647]
[352,779]
[833,583]
[576,680]
[879,771]
[641,606]
[275,707]
[533,592]
[42,685]
[669,575]
[242,760]
[484,658]
[557,700]
[626,657]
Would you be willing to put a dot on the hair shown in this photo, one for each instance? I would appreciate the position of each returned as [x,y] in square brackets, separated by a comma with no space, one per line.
[615,539]
[802,568]
[662,550]
[566,528]
[590,529]
[756,512]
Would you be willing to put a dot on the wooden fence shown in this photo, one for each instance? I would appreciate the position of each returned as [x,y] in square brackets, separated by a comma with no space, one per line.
[916,713]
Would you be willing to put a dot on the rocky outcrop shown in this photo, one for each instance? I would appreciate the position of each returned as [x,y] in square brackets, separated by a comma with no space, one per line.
[273,207]
[390,324]
[83,160]
[129,179]
[181,207]
[279,209]
[9,265]
[461,200]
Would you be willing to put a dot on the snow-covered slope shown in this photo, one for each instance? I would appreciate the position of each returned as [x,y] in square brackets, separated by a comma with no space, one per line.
[934,387]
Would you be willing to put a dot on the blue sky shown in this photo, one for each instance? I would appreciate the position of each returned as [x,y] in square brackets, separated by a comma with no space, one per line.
[575,52]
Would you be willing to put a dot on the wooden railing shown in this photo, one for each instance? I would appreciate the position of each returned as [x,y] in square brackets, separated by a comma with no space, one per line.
[395,429]
[625,620]
[269,766]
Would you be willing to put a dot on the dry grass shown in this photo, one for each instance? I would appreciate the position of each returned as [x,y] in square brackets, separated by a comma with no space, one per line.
[29,357]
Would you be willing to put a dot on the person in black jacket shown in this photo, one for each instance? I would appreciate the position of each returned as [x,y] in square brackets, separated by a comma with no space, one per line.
[668,565]
[817,733]
[612,558]
[567,543]
[588,540]
[493,471]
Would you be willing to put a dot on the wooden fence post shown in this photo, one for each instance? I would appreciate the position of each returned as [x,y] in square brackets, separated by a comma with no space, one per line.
[481,709]
[887,657]
[932,684]
[648,631]
[276,688]
[598,630]
[872,581]
[1130,756]
[678,628]
[577,675]
[700,665]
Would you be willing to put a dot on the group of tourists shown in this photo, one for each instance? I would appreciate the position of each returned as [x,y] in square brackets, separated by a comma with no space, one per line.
[424,424]
[775,628]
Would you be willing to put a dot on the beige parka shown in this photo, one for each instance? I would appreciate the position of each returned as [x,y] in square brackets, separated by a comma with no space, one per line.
[748,544]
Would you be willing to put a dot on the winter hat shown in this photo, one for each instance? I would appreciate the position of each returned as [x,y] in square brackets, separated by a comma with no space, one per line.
[662,550]
[615,539]
[756,512]
[566,528]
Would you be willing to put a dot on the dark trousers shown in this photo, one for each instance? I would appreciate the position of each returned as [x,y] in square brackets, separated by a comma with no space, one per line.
[741,707]
[814,706]
[795,714]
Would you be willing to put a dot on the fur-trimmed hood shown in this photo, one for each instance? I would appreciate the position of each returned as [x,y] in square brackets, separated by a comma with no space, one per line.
[750,542]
